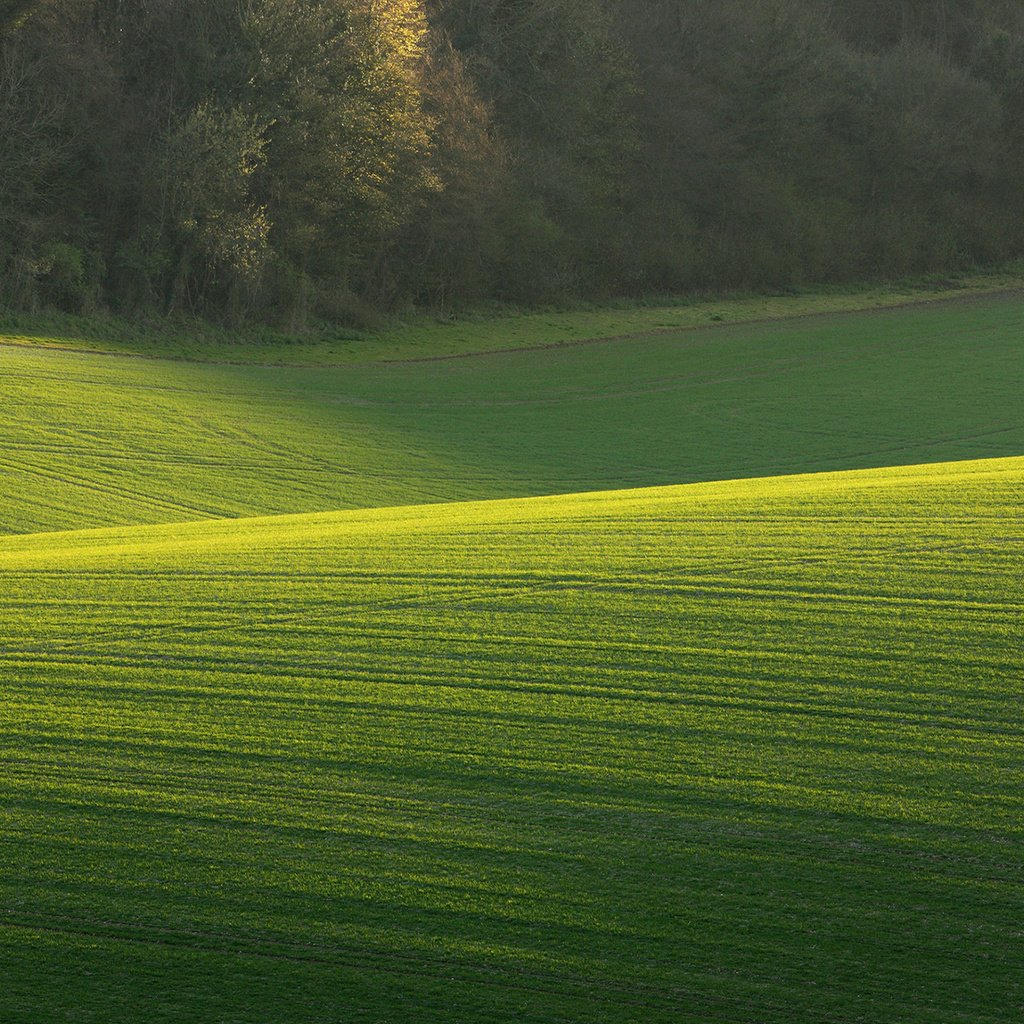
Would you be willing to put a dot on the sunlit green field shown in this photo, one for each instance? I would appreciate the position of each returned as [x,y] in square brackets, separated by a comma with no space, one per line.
[749,751]
[93,440]
[297,729]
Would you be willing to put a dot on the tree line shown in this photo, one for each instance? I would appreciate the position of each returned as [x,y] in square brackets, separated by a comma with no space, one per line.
[294,159]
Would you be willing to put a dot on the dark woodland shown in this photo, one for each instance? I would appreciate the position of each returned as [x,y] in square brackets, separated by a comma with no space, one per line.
[285,160]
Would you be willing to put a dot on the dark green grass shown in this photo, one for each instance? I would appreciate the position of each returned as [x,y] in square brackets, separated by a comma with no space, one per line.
[422,335]
[102,440]
[734,752]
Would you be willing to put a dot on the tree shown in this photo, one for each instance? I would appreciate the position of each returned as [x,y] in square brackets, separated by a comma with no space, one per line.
[14,12]
[280,158]
[559,84]
[347,139]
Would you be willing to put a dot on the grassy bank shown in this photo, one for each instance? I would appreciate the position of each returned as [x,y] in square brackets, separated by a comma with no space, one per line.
[423,336]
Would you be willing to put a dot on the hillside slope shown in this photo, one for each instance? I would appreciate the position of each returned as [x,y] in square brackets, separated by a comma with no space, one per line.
[91,440]
[726,752]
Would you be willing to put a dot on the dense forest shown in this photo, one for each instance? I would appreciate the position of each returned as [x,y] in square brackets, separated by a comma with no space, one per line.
[292,159]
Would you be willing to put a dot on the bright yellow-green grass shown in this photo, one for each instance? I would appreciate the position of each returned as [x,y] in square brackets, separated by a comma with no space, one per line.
[91,440]
[740,752]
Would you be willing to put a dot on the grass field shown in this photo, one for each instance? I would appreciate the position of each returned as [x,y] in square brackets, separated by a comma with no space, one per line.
[426,337]
[743,752]
[102,440]
[738,752]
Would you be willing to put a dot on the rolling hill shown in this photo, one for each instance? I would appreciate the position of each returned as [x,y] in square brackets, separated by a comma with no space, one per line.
[659,679]
[721,752]
[94,440]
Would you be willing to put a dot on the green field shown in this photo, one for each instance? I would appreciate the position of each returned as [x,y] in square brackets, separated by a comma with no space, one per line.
[746,751]
[737,752]
[113,440]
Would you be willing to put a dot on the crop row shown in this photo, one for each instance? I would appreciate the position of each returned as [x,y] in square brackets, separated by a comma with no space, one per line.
[748,751]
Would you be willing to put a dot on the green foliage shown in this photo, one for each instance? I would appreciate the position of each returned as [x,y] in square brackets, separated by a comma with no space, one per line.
[559,82]
[68,277]
[235,139]
[789,147]
[347,140]
[14,12]
[288,160]
[210,162]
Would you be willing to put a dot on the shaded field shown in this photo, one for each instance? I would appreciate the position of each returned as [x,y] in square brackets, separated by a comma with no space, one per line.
[428,337]
[729,752]
[95,440]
